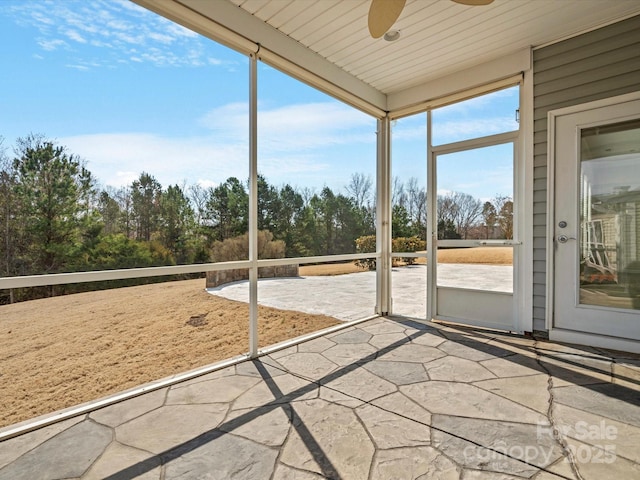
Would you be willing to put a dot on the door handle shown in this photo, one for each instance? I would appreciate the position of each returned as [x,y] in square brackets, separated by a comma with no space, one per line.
[564,238]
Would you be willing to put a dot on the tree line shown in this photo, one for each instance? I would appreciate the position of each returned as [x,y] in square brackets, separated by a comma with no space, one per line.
[55,217]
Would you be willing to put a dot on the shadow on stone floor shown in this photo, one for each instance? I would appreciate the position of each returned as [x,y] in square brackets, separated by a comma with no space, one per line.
[573,365]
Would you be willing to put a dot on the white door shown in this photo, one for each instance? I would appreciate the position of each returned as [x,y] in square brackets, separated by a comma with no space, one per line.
[471,265]
[596,224]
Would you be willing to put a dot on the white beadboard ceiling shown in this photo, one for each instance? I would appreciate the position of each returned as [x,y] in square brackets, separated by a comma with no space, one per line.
[438,37]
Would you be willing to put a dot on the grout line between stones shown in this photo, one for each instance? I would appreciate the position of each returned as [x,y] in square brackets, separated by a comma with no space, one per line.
[557,435]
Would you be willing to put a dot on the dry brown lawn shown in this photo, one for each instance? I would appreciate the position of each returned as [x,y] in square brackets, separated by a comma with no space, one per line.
[482,255]
[63,351]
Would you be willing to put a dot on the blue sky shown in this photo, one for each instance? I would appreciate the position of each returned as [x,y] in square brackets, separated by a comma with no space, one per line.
[130,91]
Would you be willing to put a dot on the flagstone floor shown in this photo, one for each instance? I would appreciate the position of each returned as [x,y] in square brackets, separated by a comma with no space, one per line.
[389,398]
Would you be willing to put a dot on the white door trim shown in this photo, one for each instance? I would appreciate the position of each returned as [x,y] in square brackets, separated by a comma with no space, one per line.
[555,333]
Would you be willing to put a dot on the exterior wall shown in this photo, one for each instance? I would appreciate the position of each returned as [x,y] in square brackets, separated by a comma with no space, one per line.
[599,64]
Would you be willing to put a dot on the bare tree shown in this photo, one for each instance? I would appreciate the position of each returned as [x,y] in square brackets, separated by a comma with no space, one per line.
[124,199]
[489,215]
[8,234]
[461,209]
[307,194]
[417,203]
[359,189]
[198,196]
[504,207]
[467,212]
[398,195]
[446,208]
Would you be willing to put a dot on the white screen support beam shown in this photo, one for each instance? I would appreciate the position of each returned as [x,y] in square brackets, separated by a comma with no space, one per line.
[383,215]
[253,206]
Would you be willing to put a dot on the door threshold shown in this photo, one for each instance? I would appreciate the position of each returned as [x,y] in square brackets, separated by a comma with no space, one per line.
[594,340]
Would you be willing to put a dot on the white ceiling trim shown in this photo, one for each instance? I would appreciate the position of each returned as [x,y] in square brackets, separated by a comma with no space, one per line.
[426,95]
[459,96]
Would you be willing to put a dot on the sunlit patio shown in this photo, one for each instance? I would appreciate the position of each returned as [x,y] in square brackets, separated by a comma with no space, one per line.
[386,398]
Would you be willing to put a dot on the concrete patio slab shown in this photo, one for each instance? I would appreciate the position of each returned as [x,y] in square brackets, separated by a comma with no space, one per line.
[369,402]
[352,296]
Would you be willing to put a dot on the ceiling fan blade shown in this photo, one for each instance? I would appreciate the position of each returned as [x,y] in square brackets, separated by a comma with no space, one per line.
[383,14]
[473,2]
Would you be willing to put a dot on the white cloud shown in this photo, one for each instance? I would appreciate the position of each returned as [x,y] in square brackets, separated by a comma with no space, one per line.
[83,68]
[293,147]
[116,159]
[124,178]
[162,38]
[53,44]
[294,128]
[75,36]
[206,183]
[116,26]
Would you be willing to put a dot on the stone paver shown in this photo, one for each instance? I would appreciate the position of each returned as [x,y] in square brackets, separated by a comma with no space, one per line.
[387,398]
[120,413]
[523,390]
[389,430]
[349,353]
[457,369]
[464,400]
[224,457]
[400,373]
[219,390]
[606,400]
[118,456]
[619,438]
[170,425]
[414,463]
[16,447]
[328,439]
[309,364]
[68,454]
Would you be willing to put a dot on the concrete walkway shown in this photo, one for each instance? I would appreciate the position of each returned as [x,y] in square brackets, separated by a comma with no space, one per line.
[353,296]
[387,399]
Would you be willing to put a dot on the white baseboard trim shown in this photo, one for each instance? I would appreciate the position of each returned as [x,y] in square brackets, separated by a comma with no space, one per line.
[593,340]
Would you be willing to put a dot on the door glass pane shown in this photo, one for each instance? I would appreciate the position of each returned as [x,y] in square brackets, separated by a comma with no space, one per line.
[610,215]
[475,193]
[475,202]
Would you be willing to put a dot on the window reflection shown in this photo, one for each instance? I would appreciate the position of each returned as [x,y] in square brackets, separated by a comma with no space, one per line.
[610,216]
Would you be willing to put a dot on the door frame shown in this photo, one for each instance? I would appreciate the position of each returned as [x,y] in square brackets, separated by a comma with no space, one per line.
[559,334]
[506,305]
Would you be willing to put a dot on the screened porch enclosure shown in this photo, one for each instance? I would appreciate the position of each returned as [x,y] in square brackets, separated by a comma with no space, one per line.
[393,304]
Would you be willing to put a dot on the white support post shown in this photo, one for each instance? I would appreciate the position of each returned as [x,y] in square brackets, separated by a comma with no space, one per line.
[253,206]
[432,226]
[383,222]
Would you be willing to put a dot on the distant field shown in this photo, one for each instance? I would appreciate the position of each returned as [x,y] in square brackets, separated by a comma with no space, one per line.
[482,255]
